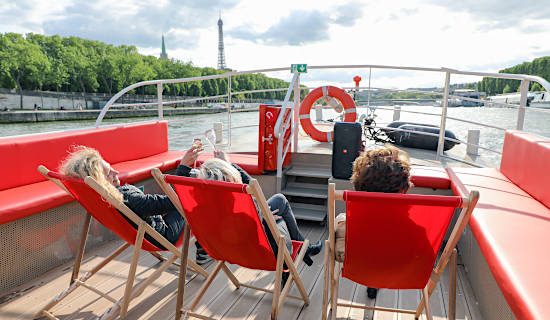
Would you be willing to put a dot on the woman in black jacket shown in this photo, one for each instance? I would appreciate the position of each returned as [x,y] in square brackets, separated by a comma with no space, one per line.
[156,209]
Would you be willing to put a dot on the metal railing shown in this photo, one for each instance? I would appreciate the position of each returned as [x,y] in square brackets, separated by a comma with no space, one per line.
[294,87]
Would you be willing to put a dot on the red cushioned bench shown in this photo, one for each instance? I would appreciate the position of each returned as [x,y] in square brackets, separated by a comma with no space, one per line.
[430,177]
[511,221]
[248,161]
[132,149]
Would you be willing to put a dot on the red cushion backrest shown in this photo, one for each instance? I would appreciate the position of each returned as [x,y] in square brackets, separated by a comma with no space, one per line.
[525,161]
[22,155]
[392,239]
[225,221]
[101,210]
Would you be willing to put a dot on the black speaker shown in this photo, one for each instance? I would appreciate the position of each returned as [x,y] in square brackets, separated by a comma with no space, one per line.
[345,148]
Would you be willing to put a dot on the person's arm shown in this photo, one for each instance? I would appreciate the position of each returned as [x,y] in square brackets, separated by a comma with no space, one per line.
[145,205]
[183,171]
[188,159]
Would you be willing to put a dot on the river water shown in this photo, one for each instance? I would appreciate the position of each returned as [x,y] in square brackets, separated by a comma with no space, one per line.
[536,121]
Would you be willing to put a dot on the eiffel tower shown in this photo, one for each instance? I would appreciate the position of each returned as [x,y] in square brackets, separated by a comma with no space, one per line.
[221,55]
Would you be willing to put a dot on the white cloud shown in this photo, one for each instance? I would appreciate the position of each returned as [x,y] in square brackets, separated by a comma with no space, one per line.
[467,35]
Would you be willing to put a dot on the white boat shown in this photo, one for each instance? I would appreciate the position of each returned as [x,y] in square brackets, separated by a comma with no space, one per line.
[538,99]
[503,272]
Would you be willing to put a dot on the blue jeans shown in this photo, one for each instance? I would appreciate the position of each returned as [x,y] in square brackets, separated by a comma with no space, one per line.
[286,224]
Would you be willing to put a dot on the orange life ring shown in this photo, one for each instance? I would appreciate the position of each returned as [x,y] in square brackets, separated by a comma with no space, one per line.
[305,107]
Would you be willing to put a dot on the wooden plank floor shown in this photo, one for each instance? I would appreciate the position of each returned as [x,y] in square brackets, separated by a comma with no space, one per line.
[221,300]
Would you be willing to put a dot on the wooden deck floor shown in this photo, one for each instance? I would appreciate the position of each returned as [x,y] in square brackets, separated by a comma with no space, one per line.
[222,300]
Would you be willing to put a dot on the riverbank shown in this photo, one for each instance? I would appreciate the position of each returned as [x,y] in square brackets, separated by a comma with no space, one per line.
[25,116]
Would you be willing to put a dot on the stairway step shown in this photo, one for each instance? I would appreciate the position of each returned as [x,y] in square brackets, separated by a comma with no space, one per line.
[305,192]
[310,172]
[308,212]
[306,185]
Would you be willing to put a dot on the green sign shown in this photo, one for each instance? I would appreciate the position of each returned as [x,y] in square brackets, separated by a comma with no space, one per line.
[300,68]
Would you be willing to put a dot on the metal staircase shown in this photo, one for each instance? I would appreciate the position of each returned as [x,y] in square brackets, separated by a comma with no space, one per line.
[305,185]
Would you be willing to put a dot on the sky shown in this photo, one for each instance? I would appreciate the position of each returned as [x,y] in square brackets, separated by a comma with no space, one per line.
[469,35]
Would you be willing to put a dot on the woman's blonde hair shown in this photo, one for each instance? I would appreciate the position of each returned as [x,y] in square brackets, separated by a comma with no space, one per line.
[85,161]
[220,170]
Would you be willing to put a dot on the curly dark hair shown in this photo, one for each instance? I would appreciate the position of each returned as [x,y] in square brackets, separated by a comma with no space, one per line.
[385,169]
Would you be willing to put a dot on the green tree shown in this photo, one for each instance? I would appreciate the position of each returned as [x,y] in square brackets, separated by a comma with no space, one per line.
[23,62]
[507,89]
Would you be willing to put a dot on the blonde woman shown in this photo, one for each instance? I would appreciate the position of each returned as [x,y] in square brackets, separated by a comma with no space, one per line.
[221,169]
[156,209]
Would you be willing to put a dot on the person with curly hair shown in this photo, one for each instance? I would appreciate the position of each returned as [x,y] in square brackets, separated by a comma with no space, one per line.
[382,169]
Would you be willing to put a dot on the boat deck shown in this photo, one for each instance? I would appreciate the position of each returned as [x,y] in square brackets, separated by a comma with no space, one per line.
[221,300]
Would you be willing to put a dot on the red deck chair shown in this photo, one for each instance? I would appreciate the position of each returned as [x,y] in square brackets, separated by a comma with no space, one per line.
[225,221]
[103,207]
[392,241]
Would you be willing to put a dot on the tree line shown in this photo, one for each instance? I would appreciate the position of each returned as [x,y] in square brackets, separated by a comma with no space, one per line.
[538,67]
[73,64]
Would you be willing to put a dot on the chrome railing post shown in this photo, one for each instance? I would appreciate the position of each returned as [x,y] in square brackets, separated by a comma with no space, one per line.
[441,141]
[159,100]
[524,91]
[229,108]
[281,125]
[295,123]
[368,96]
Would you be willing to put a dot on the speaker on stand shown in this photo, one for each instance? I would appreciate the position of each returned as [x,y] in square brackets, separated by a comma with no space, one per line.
[346,147]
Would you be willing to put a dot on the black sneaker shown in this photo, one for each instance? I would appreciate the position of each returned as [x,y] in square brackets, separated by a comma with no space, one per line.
[202,257]
[371,292]
[314,248]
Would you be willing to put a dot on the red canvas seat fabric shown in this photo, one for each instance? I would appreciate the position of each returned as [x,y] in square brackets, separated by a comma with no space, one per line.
[430,177]
[510,227]
[24,191]
[392,240]
[225,221]
[104,212]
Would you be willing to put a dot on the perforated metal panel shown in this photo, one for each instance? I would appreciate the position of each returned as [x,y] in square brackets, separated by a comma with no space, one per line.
[36,244]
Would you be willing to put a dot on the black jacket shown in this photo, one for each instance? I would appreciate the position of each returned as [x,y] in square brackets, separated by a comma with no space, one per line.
[150,207]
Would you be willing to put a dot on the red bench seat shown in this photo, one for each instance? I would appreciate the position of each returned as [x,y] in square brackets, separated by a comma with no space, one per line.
[132,149]
[511,224]
[430,177]
[248,161]
[22,201]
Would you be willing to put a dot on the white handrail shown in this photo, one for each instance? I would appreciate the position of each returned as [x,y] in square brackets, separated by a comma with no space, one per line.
[281,125]
[277,129]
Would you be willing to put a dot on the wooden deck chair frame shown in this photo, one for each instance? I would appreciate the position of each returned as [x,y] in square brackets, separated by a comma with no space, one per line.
[283,256]
[120,307]
[333,268]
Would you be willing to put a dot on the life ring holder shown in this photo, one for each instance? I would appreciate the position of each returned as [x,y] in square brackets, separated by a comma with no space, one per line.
[307,103]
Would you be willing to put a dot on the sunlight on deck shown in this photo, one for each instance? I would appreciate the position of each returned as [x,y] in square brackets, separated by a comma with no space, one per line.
[221,300]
